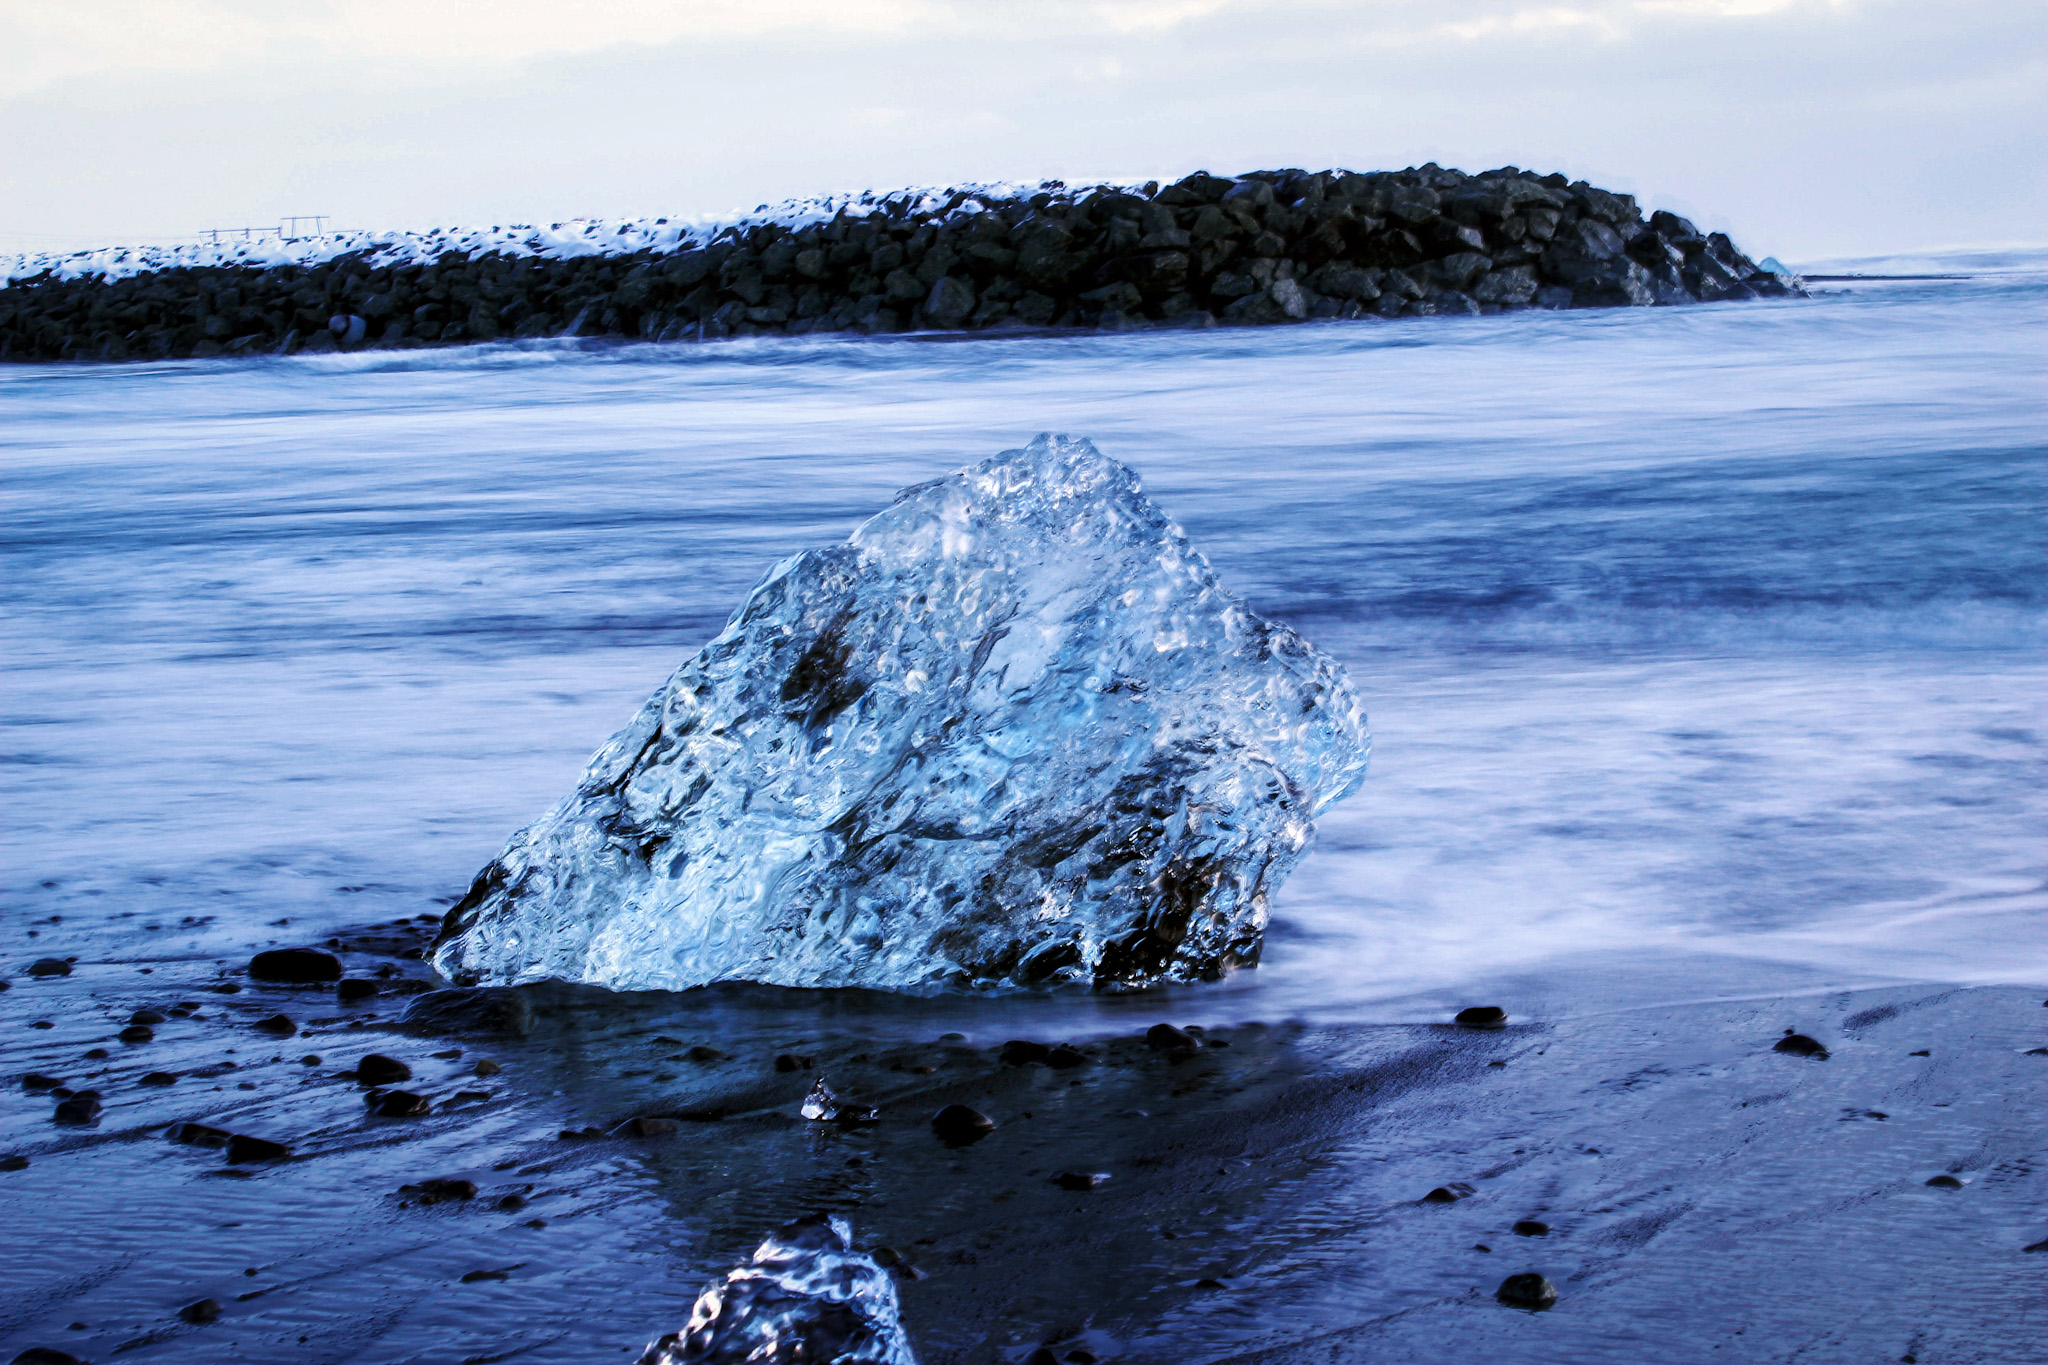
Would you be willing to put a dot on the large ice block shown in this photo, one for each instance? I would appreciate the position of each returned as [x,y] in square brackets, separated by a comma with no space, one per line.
[1011,732]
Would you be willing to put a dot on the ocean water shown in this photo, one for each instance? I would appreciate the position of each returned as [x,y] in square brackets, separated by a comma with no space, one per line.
[1704,647]
[1706,659]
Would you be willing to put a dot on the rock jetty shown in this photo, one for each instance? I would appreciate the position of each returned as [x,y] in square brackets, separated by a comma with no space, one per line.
[1263,248]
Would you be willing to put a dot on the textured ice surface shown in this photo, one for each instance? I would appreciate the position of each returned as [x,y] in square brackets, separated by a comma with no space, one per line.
[806,1296]
[1013,731]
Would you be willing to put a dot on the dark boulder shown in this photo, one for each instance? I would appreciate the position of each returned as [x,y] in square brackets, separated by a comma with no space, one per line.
[1799,1045]
[1483,1016]
[277,1026]
[244,1150]
[351,989]
[957,1125]
[1529,1291]
[377,1069]
[80,1109]
[49,966]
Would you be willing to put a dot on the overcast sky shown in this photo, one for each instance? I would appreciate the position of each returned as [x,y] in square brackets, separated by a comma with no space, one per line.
[1806,128]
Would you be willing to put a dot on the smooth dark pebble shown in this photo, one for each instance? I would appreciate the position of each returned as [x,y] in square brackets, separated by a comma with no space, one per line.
[957,1125]
[295,966]
[43,1023]
[1923,1052]
[700,1053]
[82,1108]
[377,1069]
[97,1054]
[159,1078]
[1799,1045]
[35,1080]
[1945,1182]
[146,1017]
[277,1025]
[512,1203]
[1080,1180]
[476,1276]
[136,1033]
[485,1067]
[1448,1194]
[1529,1227]
[198,1135]
[1483,1016]
[227,988]
[200,1313]
[1064,1058]
[1528,1290]
[1167,1038]
[447,1054]
[354,988]
[398,1104]
[46,1355]
[1481,1246]
[1021,1051]
[789,1061]
[16,1162]
[49,966]
[1041,1355]
[243,1149]
[2041,1245]
[1207,1283]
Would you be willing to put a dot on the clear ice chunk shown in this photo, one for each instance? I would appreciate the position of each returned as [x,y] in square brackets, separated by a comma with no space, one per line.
[806,1296]
[1012,732]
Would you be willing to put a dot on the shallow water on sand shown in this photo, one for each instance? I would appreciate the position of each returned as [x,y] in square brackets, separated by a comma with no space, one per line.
[1704,650]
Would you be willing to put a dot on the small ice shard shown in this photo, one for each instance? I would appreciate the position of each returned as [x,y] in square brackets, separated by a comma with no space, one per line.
[806,1296]
[1012,732]
[821,1105]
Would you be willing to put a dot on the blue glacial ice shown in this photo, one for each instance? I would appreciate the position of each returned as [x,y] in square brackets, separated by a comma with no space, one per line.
[1011,732]
[805,1296]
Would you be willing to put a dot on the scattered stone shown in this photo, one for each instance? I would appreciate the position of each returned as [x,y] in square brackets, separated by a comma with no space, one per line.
[398,1104]
[227,988]
[1945,1182]
[1167,1038]
[1210,1282]
[646,1127]
[277,1025]
[494,1011]
[1020,1052]
[136,1033]
[43,1023]
[97,1054]
[1449,1194]
[35,1080]
[159,1078]
[2041,1245]
[16,1162]
[46,1355]
[146,1017]
[439,1190]
[486,1067]
[1041,1356]
[198,1135]
[958,1126]
[82,1108]
[1799,1045]
[295,966]
[789,1061]
[350,989]
[478,1276]
[200,1313]
[377,1069]
[244,1150]
[512,1203]
[1529,1291]
[1081,1180]
[1483,1016]
[1923,1052]
[1529,1227]
[49,966]
[447,1054]
[1065,1058]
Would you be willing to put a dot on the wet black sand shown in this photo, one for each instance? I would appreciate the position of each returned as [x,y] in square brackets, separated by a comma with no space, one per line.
[1705,1196]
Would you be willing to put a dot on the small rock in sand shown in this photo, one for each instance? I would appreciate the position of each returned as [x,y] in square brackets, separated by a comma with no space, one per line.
[1799,1045]
[243,1150]
[1529,1227]
[789,1061]
[49,966]
[1529,1290]
[1945,1182]
[146,1017]
[277,1025]
[700,1053]
[198,1135]
[1064,1058]
[295,966]
[159,1078]
[646,1126]
[1021,1052]
[1167,1038]
[398,1104]
[957,1125]
[1483,1016]
[136,1033]
[37,1081]
[377,1069]
[200,1313]
[1448,1194]
[439,1190]
[486,1067]
[1081,1180]
[46,1355]
[351,989]
[15,1162]
[82,1108]
[512,1203]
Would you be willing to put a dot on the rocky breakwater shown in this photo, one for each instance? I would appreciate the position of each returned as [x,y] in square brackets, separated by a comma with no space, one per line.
[1266,247]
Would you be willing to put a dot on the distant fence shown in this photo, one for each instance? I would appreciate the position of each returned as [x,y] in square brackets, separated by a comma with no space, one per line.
[289,229]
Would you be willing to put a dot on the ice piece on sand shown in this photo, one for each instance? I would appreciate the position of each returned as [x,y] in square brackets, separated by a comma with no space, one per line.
[806,1296]
[1012,731]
